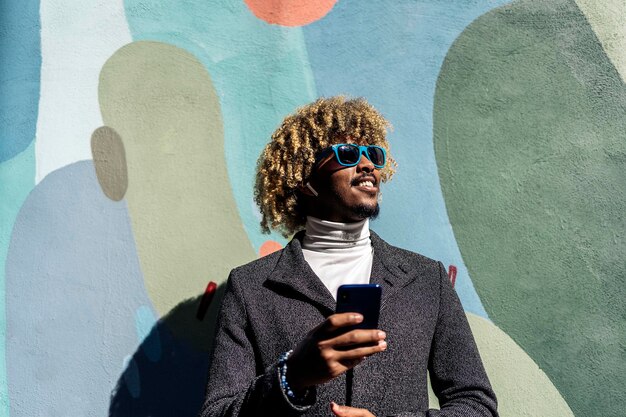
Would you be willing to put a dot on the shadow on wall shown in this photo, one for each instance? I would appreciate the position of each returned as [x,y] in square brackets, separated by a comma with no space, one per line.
[167,374]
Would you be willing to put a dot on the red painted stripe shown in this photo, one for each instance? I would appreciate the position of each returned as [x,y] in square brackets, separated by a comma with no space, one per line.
[209,293]
[452,274]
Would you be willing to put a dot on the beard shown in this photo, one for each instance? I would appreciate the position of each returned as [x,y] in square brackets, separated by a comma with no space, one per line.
[364,211]
[360,211]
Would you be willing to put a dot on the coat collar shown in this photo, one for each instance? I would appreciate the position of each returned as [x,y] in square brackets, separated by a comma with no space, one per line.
[293,273]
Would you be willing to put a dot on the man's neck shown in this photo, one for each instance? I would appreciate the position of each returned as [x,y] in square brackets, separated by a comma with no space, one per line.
[321,234]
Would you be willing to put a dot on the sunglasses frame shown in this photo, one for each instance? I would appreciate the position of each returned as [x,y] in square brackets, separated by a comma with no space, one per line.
[362,151]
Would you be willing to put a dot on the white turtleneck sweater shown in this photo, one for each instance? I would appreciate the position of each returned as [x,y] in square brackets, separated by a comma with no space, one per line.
[338,253]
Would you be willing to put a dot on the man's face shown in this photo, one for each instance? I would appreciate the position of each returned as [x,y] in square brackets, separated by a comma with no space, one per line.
[345,194]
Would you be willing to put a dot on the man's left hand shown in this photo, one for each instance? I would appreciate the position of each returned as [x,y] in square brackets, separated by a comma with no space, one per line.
[344,411]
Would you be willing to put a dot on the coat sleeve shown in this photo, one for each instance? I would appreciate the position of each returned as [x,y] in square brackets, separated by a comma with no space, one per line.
[457,374]
[234,387]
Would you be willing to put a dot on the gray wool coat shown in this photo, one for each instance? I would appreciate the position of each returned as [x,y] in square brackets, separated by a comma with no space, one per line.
[270,304]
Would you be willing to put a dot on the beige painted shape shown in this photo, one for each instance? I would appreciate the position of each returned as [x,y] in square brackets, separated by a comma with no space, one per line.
[608,20]
[433,401]
[161,101]
[109,159]
[522,389]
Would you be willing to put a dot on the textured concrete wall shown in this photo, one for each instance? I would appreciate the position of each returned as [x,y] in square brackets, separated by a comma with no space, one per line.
[129,132]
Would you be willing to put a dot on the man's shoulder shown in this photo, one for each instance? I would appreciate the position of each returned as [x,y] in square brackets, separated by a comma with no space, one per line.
[258,270]
[401,255]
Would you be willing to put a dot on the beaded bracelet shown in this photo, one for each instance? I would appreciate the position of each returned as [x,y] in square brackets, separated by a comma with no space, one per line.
[282,374]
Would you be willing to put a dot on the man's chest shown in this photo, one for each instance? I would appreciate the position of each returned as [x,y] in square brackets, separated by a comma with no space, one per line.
[279,321]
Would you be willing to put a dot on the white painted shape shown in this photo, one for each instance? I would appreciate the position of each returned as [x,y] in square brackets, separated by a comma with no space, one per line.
[77,37]
[608,20]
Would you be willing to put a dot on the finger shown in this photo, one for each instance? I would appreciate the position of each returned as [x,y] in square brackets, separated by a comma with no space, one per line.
[337,321]
[345,411]
[351,363]
[338,410]
[360,352]
[355,337]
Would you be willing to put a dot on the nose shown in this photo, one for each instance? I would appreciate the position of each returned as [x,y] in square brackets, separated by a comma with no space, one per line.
[364,163]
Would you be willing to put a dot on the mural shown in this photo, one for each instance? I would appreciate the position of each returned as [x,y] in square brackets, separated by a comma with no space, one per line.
[129,132]
[536,198]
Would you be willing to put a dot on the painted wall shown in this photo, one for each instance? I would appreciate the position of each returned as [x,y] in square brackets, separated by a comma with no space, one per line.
[129,132]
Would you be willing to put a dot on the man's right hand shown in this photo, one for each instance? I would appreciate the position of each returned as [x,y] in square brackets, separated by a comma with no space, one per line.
[327,352]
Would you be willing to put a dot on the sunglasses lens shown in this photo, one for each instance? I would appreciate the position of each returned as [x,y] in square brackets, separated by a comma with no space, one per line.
[376,155]
[348,154]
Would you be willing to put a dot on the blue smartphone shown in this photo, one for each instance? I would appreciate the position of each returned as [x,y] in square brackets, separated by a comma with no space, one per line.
[363,299]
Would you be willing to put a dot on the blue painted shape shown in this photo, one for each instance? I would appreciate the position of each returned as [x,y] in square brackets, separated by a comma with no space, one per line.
[145,321]
[17,179]
[391,52]
[260,73]
[73,285]
[20,55]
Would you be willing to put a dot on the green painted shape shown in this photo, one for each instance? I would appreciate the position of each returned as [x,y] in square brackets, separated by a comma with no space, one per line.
[530,128]
[522,388]
[17,179]
[161,102]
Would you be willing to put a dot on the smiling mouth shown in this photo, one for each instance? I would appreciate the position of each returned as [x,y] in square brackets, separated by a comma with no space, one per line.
[365,184]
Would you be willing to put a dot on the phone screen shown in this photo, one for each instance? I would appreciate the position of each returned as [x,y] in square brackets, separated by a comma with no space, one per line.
[363,299]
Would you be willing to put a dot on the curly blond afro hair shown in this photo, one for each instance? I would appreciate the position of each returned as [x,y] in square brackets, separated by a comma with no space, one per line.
[287,160]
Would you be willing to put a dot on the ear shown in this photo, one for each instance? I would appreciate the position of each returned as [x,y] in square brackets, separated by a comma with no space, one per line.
[307,189]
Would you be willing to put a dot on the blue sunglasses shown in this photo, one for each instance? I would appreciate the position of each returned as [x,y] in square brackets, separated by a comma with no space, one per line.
[349,154]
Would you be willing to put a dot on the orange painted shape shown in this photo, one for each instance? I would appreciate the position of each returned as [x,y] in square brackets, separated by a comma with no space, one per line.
[269,246]
[290,12]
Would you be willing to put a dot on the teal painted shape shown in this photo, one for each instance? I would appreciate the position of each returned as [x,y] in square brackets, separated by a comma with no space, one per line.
[260,72]
[20,55]
[394,60]
[17,179]
[147,333]
[530,128]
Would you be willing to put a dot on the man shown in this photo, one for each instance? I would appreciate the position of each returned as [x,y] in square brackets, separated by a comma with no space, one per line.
[280,350]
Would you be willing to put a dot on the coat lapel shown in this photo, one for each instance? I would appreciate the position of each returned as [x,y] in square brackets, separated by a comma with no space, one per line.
[292,273]
[388,270]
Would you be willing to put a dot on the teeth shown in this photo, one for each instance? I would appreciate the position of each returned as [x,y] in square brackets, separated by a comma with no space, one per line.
[366,184]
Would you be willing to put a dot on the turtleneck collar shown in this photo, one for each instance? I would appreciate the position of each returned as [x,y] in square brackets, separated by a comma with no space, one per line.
[323,234]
